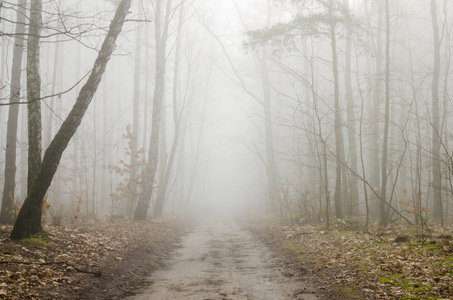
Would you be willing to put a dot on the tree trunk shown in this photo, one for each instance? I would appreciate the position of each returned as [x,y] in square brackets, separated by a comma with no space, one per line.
[354,202]
[34,93]
[436,130]
[29,219]
[56,63]
[375,111]
[132,184]
[142,208]
[194,173]
[271,166]
[1,6]
[7,213]
[382,203]
[338,126]
[177,117]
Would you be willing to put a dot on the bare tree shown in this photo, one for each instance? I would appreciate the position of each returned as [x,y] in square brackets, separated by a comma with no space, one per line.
[161,35]
[29,219]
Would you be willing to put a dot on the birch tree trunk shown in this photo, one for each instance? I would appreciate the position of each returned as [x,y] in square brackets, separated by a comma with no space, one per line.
[7,213]
[29,219]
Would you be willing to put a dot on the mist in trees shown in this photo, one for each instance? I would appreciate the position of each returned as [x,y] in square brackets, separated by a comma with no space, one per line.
[310,109]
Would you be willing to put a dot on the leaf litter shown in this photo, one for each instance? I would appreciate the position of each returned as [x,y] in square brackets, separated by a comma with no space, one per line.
[93,260]
[375,263]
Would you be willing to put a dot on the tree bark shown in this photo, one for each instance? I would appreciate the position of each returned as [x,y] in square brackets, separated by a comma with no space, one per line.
[34,93]
[29,219]
[7,213]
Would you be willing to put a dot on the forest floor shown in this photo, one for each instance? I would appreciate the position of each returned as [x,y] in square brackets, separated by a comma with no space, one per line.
[114,260]
[90,260]
[398,262]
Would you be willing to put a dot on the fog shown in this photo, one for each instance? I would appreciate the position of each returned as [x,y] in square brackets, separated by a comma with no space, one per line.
[274,105]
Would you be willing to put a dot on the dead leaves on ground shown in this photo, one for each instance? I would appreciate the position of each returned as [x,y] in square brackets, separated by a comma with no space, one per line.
[32,268]
[416,268]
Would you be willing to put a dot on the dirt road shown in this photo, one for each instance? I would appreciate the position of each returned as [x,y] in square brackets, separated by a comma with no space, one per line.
[222,260]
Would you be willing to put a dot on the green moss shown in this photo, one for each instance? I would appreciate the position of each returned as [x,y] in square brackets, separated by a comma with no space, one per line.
[395,279]
[279,221]
[37,241]
[430,248]
[296,249]
[416,287]
[349,292]
[384,280]
[448,259]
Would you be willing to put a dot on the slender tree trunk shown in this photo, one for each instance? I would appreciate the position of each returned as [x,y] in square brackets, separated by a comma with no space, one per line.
[199,140]
[29,219]
[271,166]
[375,111]
[135,126]
[338,126]
[56,62]
[177,117]
[146,97]
[354,203]
[34,93]
[1,6]
[436,130]
[3,61]
[7,213]
[142,208]
[382,210]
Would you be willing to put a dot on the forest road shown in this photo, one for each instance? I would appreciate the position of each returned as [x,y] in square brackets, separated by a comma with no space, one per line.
[220,260]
